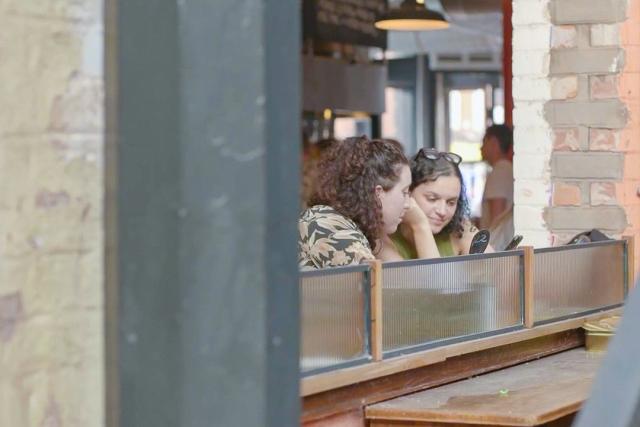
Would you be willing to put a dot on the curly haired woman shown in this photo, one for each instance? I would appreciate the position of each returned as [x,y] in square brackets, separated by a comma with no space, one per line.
[361,196]
[438,190]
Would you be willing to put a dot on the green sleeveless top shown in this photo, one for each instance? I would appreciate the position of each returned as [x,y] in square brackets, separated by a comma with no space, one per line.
[407,251]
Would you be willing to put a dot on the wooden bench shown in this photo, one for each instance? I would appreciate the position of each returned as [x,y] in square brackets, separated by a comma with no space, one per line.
[548,391]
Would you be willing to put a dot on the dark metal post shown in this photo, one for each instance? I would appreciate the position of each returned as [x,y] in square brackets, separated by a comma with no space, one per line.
[429,140]
[615,394]
[202,313]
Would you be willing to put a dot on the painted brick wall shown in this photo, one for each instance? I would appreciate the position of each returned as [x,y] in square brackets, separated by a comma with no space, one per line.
[51,190]
[533,136]
[576,118]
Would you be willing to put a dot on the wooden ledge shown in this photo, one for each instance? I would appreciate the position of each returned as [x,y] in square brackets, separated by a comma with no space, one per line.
[318,408]
[529,394]
[344,377]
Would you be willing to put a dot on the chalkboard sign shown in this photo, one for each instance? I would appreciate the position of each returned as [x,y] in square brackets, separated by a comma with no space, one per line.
[344,21]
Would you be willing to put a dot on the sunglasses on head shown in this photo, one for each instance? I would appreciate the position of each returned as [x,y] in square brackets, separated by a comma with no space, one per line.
[432,154]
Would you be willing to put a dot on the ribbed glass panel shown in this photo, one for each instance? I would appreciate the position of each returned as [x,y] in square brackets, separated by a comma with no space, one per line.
[334,310]
[577,279]
[424,303]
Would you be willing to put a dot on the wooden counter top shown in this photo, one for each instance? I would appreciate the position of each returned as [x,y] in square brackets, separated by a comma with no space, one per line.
[529,394]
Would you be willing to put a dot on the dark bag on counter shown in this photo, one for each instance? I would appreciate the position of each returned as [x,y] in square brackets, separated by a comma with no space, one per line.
[594,235]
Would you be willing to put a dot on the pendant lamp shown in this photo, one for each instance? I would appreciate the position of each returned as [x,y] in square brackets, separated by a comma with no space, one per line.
[412,15]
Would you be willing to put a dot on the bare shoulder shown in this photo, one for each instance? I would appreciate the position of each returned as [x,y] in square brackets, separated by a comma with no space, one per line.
[388,252]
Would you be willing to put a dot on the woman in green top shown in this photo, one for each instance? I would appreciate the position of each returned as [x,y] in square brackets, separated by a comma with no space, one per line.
[437,221]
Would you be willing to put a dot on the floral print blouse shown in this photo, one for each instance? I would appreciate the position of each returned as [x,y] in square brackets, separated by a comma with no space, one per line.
[328,239]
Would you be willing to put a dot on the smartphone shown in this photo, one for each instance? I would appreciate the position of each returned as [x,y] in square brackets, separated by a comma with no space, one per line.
[479,242]
[513,243]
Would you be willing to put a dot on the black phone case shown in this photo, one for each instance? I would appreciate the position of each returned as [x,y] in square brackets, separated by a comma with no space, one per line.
[513,243]
[480,242]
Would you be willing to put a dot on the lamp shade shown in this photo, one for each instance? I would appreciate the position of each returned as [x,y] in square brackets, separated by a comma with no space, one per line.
[411,16]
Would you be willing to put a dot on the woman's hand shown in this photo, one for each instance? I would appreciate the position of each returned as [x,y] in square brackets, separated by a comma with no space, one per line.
[423,239]
[415,218]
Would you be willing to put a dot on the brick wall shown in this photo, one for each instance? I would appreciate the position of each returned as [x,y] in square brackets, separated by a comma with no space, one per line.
[576,97]
[533,137]
[51,140]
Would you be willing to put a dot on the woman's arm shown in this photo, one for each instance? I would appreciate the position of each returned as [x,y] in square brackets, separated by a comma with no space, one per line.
[421,232]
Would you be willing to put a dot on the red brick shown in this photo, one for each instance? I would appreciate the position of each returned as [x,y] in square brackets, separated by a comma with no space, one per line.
[565,194]
[566,139]
[563,36]
[605,193]
[564,87]
[603,87]
[603,139]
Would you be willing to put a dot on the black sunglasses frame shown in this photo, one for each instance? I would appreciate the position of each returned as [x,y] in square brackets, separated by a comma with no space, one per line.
[432,154]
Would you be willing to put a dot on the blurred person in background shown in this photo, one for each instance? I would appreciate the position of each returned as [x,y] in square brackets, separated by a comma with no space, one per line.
[497,146]
[497,199]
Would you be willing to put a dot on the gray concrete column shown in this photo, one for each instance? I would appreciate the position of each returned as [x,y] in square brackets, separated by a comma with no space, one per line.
[203,116]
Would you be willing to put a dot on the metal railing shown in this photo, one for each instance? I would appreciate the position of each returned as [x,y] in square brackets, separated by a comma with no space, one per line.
[353,315]
[435,302]
[335,318]
[575,280]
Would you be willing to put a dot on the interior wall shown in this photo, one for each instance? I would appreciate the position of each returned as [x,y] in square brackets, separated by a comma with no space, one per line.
[51,246]
[576,119]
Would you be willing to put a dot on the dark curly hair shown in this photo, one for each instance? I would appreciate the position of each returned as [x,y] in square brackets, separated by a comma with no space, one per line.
[427,170]
[348,174]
